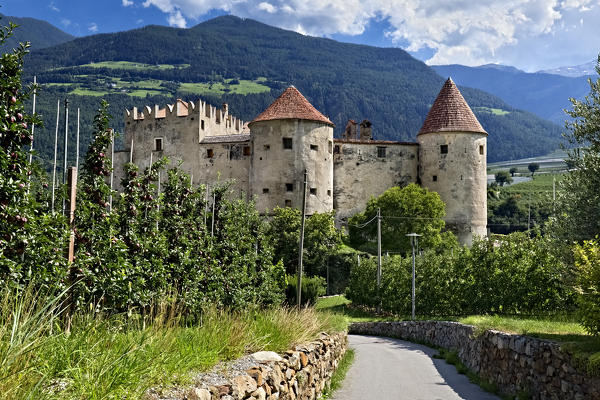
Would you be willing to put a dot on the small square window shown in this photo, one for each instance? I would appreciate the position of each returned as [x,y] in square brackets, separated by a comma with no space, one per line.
[481,149]
[314,147]
[289,187]
[158,144]
[381,152]
[435,178]
[265,190]
[266,147]
[210,153]
[288,203]
[202,124]
[287,143]
[246,150]
[444,149]
[329,146]
[336,149]
[313,191]
[329,192]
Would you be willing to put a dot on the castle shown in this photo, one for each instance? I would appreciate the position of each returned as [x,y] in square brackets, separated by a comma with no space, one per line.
[267,157]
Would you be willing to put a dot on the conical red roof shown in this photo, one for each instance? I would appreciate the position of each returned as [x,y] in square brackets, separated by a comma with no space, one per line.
[451,113]
[291,105]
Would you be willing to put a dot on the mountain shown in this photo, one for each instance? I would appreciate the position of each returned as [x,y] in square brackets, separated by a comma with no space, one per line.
[40,33]
[248,64]
[574,71]
[545,95]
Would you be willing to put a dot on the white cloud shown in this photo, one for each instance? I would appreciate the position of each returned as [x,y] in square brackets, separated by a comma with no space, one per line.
[65,22]
[456,31]
[53,7]
[127,3]
[93,27]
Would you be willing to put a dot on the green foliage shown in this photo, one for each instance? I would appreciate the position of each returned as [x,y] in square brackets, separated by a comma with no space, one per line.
[312,288]
[503,177]
[580,189]
[404,210]
[587,262]
[518,275]
[513,171]
[532,167]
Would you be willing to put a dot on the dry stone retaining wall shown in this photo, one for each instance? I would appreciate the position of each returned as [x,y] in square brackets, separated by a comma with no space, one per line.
[513,362]
[300,373]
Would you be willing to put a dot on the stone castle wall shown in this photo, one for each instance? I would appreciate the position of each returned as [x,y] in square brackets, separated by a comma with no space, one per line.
[364,169]
[515,363]
[458,174]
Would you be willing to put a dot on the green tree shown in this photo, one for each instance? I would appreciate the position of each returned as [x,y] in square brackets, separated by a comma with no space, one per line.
[587,262]
[503,177]
[580,188]
[513,171]
[532,167]
[321,239]
[404,210]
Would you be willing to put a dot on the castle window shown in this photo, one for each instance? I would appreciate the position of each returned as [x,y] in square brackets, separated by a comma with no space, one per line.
[288,203]
[481,149]
[329,192]
[265,190]
[435,178]
[313,191]
[289,187]
[210,153]
[314,147]
[202,124]
[287,143]
[380,152]
[246,150]
[329,146]
[336,149]
[158,144]
[266,147]
[444,149]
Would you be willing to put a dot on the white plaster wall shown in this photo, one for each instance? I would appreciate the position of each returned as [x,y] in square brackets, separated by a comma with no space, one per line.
[461,179]
[360,174]
[272,168]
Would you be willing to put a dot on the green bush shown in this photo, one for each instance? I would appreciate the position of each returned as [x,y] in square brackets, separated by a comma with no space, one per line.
[515,274]
[312,288]
[587,262]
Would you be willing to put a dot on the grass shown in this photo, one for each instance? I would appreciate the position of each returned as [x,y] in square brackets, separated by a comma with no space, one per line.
[121,356]
[539,183]
[243,87]
[339,375]
[133,66]
[495,111]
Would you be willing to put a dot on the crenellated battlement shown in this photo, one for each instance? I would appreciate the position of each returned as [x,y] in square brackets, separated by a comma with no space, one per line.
[199,112]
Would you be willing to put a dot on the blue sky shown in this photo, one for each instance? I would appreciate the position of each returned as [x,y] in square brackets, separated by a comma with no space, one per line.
[528,34]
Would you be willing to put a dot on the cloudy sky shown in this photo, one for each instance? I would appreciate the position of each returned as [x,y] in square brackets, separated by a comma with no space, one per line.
[528,34]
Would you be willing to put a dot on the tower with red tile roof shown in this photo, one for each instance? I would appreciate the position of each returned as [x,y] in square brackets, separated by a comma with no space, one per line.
[291,136]
[452,162]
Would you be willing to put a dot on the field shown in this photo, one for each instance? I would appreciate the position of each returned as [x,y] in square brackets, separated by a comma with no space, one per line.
[541,183]
[131,65]
[553,162]
[495,111]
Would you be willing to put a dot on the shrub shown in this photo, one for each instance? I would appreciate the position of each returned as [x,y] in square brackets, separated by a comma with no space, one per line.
[587,262]
[312,288]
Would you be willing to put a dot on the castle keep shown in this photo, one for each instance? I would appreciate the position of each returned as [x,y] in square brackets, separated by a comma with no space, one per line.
[266,158]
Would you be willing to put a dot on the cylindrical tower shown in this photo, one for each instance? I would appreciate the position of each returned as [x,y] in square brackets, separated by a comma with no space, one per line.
[287,138]
[452,162]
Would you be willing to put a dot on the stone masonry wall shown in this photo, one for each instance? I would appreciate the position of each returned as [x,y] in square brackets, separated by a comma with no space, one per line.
[513,362]
[300,373]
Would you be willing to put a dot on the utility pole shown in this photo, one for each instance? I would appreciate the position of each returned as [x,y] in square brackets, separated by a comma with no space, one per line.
[55,152]
[301,249]
[378,259]
[77,144]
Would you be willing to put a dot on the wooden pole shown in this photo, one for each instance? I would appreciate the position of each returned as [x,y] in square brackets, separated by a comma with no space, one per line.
[112,165]
[55,153]
[77,142]
[301,247]
[32,134]
[131,152]
[66,151]
[72,194]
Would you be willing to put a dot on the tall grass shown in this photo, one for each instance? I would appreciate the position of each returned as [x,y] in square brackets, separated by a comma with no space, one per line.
[121,356]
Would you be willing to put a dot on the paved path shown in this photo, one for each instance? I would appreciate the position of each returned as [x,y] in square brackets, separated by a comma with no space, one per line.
[392,369]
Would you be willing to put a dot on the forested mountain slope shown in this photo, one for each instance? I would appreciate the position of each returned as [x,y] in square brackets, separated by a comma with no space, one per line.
[248,64]
[40,33]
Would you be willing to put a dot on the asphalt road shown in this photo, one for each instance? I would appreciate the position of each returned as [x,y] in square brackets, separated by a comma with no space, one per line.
[392,369]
